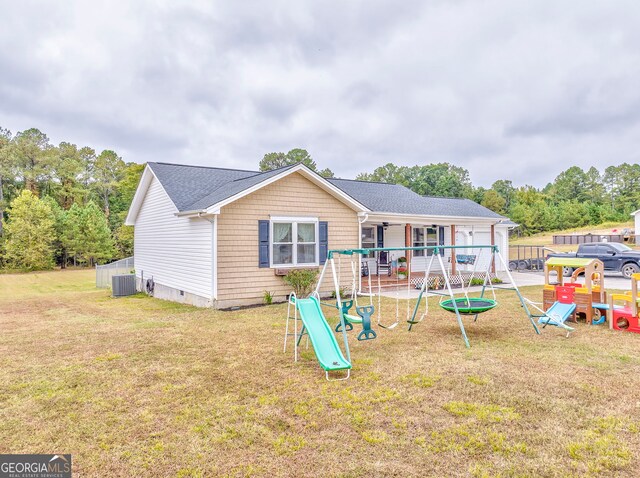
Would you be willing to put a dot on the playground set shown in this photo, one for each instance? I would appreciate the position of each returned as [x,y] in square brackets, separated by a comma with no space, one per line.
[308,317]
[563,301]
[569,301]
[625,316]
[566,301]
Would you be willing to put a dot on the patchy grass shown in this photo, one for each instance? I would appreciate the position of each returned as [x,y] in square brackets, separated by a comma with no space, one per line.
[143,387]
[490,413]
[478,380]
[421,380]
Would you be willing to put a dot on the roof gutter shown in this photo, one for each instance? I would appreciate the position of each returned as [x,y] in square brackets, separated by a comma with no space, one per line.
[197,213]
[436,217]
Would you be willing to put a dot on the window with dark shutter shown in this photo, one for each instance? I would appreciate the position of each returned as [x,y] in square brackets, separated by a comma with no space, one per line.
[323,233]
[263,243]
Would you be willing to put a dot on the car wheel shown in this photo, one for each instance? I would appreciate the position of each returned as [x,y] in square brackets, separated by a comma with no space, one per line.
[629,269]
[513,265]
[567,271]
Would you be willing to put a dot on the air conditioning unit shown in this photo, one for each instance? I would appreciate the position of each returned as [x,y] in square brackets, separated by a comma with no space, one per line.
[123,285]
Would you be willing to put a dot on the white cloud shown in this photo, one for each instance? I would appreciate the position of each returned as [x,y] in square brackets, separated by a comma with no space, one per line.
[516,90]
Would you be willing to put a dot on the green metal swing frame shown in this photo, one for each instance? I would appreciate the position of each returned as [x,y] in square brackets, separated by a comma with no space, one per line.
[437,251]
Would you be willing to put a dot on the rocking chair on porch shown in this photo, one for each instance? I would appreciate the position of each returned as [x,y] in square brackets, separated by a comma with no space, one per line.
[383,263]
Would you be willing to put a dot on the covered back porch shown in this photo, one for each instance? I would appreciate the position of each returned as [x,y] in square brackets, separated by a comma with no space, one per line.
[384,231]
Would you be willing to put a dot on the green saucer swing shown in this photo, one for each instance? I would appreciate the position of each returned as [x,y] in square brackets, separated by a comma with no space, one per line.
[470,306]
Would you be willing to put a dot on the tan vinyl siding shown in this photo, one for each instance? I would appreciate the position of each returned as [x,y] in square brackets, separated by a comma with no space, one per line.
[240,280]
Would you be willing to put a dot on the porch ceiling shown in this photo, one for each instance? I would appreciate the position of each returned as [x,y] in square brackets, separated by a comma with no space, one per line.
[428,220]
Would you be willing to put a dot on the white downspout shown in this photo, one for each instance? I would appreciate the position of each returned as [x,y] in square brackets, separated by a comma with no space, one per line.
[214,257]
[361,221]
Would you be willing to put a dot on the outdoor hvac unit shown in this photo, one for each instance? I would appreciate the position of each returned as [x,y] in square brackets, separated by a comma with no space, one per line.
[123,285]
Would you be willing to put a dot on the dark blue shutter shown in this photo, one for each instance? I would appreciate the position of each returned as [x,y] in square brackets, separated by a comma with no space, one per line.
[441,239]
[263,243]
[380,236]
[323,233]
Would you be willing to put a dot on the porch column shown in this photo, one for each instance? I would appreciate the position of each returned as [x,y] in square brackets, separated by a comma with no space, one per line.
[453,251]
[493,243]
[407,242]
[362,259]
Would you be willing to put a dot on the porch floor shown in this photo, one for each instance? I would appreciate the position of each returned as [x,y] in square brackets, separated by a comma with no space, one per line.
[391,286]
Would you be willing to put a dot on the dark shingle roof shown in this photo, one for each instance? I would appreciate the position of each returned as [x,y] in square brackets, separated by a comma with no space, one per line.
[193,188]
[187,184]
[234,187]
[458,207]
[394,198]
[381,197]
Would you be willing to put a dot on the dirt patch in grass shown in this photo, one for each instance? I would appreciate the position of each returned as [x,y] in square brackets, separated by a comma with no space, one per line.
[143,387]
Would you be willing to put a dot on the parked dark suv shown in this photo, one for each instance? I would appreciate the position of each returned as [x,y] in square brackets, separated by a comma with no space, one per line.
[615,257]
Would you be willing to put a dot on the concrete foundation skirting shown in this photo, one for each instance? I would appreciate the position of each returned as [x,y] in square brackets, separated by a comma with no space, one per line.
[175,295]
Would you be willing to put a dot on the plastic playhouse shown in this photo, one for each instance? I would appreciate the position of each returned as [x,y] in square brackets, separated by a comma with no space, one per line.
[566,301]
[625,316]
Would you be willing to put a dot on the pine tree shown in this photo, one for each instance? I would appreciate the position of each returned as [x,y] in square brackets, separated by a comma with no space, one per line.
[57,214]
[30,233]
[70,237]
[96,238]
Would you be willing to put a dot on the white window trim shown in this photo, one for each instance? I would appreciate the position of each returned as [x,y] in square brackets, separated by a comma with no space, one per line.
[294,220]
[362,246]
[426,239]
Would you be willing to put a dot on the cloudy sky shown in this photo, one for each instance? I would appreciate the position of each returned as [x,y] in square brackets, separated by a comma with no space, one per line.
[507,89]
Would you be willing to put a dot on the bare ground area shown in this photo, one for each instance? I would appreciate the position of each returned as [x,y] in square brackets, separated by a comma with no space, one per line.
[142,387]
[546,238]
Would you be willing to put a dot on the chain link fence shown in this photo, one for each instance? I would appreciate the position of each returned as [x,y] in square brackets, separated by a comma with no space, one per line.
[105,272]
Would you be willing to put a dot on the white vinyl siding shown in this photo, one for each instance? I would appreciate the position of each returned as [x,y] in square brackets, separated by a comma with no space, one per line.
[175,251]
[482,236]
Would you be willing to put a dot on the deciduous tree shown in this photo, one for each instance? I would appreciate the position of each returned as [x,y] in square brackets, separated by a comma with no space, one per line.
[5,167]
[31,152]
[107,170]
[272,161]
[494,201]
[30,233]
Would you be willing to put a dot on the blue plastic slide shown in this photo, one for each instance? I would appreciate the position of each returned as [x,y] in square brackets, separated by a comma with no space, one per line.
[324,342]
[557,315]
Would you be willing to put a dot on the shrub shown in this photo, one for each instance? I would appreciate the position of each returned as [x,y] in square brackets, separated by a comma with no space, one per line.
[301,280]
[343,293]
[480,281]
[267,297]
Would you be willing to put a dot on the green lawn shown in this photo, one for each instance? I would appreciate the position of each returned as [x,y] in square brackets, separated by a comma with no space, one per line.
[142,387]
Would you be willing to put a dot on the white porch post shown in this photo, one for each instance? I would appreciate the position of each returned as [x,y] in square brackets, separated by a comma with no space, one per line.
[360,247]
[453,251]
[493,243]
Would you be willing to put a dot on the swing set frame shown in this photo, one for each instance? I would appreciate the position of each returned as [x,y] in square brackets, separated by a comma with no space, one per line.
[437,253]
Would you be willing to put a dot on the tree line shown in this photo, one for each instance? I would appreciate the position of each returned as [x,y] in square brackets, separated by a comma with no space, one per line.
[63,204]
[575,198]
